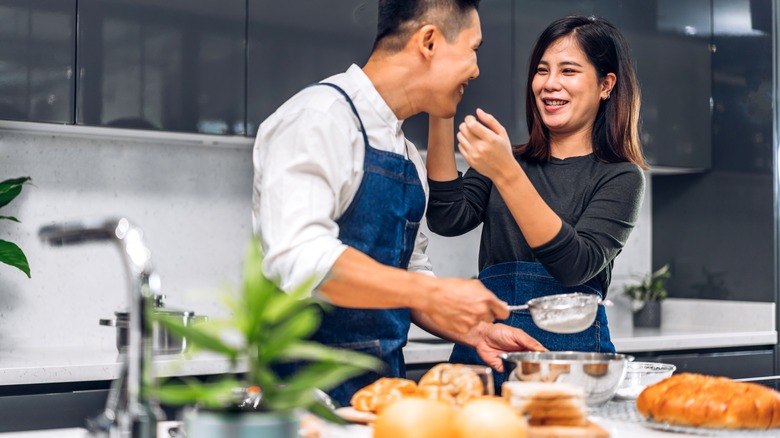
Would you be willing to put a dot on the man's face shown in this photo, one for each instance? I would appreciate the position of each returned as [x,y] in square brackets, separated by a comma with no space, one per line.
[454,65]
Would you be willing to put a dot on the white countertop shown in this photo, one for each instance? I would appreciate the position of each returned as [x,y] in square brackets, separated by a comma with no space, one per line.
[78,364]
[687,325]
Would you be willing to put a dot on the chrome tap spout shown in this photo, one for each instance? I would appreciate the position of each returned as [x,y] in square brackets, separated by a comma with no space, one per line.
[136,418]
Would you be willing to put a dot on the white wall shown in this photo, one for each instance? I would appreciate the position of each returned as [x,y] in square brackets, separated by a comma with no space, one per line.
[193,203]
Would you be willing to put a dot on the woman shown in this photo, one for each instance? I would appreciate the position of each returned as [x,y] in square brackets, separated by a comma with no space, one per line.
[557,210]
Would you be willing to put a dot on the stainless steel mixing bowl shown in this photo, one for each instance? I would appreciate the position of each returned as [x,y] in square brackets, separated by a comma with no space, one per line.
[598,374]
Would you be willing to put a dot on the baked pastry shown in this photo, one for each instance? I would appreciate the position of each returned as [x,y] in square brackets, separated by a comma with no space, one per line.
[713,402]
[451,383]
[559,404]
[381,393]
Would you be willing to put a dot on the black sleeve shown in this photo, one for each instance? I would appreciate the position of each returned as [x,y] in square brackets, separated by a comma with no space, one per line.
[457,207]
[578,253]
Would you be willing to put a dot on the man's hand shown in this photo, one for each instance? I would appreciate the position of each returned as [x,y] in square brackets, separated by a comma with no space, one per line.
[500,338]
[459,305]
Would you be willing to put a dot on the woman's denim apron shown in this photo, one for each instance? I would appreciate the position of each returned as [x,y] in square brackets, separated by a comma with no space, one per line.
[382,221]
[518,282]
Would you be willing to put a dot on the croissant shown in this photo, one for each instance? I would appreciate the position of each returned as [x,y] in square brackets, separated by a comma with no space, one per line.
[712,402]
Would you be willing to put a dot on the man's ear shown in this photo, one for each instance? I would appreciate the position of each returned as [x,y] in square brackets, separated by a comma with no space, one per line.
[426,40]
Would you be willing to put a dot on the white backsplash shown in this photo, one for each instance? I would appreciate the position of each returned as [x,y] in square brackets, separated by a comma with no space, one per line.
[193,203]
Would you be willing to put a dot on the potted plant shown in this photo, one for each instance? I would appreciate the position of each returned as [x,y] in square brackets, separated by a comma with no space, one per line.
[267,327]
[10,253]
[646,297]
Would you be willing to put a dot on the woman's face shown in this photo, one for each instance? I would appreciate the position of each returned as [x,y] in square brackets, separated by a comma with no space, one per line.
[566,88]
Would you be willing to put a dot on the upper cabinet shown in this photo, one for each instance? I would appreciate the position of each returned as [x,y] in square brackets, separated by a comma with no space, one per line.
[671,44]
[295,43]
[37,59]
[174,65]
[223,66]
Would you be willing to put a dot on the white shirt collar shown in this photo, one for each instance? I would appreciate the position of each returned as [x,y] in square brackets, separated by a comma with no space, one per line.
[378,104]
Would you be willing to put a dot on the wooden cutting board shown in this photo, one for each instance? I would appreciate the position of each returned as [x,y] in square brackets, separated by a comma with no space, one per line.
[592,430]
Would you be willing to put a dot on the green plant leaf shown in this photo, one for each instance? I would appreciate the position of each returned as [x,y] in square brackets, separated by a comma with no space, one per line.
[312,351]
[10,189]
[323,411]
[12,255]
[213,394]
[323,375]
[652,287]
[299,326]
[286,305]
[10,218]
[197,336]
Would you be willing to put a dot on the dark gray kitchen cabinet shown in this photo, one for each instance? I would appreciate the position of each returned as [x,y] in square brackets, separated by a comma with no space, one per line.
[295,43]
[715,252]
[670,42]
[37,57]
[173,65]
[732,363]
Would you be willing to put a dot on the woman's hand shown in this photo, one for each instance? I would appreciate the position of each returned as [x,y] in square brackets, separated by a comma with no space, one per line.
[485,146]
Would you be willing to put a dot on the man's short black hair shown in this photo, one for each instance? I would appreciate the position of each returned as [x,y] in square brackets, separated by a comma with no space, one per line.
[399,19]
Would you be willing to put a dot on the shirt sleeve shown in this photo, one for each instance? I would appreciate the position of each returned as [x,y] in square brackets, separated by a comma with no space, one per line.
[578,253]
[458,206]
[301,175]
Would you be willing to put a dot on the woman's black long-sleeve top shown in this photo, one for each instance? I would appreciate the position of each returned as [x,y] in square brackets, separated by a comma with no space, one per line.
[598,202]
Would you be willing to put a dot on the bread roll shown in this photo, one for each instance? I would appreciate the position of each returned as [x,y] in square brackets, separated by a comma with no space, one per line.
[713,402]
[451,383]
[384,391]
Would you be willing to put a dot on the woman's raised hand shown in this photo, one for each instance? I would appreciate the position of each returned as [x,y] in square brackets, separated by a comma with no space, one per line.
[484,144]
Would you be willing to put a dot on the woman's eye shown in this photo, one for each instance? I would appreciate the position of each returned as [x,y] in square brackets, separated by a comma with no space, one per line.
[541,70]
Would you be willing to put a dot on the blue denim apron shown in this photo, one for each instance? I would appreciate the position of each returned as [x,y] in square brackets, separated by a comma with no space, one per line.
[382,221]
[518,282]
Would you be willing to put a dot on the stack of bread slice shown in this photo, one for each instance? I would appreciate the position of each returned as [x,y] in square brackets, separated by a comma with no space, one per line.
[547,404]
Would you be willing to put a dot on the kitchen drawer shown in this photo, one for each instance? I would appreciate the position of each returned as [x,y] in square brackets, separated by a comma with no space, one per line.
[733,364]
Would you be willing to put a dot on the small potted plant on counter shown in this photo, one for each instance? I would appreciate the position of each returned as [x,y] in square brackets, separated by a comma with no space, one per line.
[267,327]
[646,297]
[10,253]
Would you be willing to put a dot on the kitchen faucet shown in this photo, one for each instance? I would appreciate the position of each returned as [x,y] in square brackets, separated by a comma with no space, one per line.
[136,417]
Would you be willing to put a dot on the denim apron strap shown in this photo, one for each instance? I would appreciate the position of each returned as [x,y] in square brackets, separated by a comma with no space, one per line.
[382,221]
[518,282]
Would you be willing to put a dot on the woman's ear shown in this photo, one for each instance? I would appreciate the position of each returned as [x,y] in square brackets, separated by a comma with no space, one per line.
[607,84]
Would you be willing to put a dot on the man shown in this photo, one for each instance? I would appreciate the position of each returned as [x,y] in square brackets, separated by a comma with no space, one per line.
[339,193]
